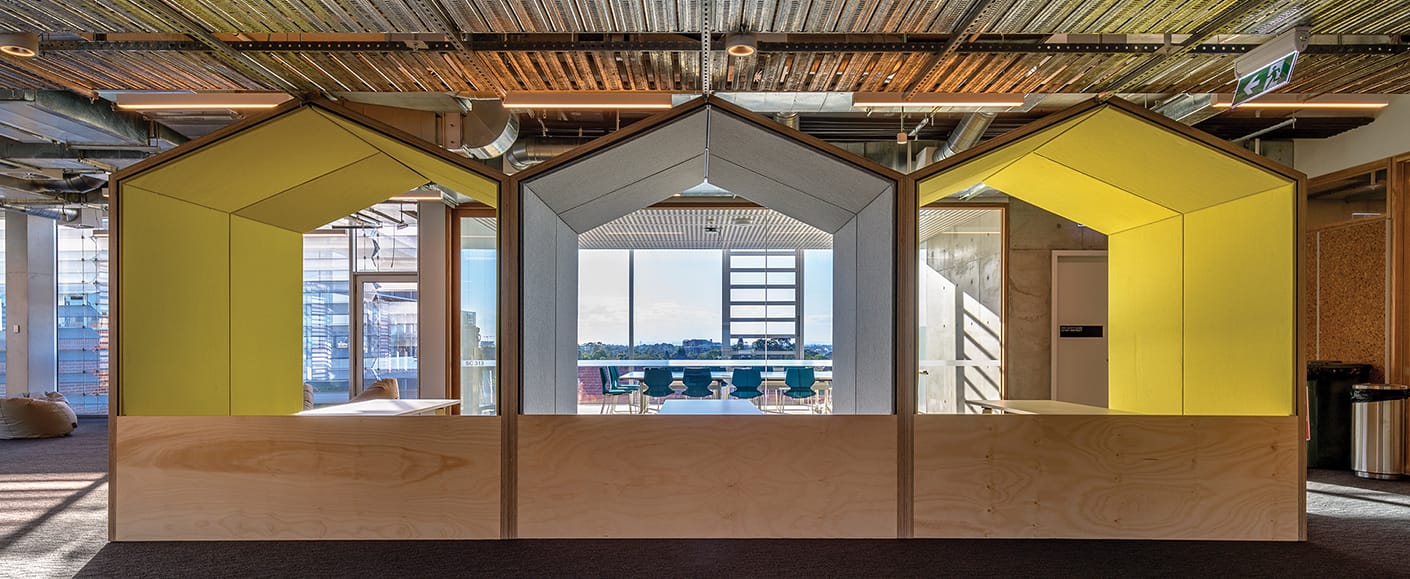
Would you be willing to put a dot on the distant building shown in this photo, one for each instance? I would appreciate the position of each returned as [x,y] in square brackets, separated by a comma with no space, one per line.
[694,348]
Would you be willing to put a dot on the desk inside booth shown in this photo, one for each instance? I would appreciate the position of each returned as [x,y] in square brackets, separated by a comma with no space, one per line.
[1043,407]
[385,407]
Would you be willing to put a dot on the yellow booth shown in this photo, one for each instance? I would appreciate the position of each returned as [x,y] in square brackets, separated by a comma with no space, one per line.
[1204,334]
[208,326]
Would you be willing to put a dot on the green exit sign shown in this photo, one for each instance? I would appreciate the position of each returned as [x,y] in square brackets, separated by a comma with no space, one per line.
[1265,79]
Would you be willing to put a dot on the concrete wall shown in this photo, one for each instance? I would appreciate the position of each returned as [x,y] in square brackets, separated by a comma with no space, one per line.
[1033,235]
[961,302]
[1388,136]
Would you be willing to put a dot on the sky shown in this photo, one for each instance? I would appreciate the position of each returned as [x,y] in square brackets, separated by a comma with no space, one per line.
[678,296]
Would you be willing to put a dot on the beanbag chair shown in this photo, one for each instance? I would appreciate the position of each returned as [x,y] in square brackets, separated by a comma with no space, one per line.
[24,417]
[384,388]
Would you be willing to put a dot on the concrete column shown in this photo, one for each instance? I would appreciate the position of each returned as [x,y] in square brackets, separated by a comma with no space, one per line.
[31,247]
[433,305]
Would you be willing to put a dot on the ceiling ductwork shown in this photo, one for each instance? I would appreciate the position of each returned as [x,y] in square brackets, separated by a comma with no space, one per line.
[967,134]
[77,188]
[530,152]
[480,129]
[64,117]
[787,119]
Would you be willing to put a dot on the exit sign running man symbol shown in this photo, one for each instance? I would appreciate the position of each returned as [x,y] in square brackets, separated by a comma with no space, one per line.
[1265,79]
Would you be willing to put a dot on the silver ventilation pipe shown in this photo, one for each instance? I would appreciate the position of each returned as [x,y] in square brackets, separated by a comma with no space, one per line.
[69,187]
[966,134]
[529,152]
[787,119]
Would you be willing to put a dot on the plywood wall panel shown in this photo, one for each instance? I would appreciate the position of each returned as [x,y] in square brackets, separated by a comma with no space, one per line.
[289,477]
[707,476]
[1093,477]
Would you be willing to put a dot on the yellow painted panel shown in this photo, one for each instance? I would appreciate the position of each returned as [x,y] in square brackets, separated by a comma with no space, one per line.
[1071,194]
[978,170]
[434,169]
[266,320]
[1160,165]
[257,163]
[335,195]
[174,299]
[1143,310]
[1240,323]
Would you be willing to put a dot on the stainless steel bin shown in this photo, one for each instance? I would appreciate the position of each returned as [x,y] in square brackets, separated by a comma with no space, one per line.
[1378,430]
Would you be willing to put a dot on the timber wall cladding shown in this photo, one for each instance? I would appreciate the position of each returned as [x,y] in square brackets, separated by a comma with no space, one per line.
[285,477]
[707,476]
[1348,266]
[1097,477]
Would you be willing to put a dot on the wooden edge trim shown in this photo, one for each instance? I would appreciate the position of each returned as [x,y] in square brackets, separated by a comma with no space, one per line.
[1003,140]
[511,270]
[205,140]
[408,139]
[1398,206]
[1362,169]
[904,314]
[803,138]
[1300,343]
[612,139]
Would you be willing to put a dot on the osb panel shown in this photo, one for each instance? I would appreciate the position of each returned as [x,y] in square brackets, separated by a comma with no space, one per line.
[1099,477]
[1351,299]
[707,476]
[288,477]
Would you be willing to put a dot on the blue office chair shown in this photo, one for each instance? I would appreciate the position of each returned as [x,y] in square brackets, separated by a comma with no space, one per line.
[658,384]
[616,376]
[746,383]
[609,390]
[800,383]
[697,383]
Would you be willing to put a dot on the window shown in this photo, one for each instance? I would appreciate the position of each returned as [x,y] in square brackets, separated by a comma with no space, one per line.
[479,319]
[82,319]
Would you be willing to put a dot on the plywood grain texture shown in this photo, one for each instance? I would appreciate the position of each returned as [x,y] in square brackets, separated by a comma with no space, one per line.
[707,476]
[285,477]
[1107,477]
[1351,296]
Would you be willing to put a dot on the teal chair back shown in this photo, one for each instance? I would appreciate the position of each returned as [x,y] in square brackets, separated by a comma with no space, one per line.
[616,376]
[658,382]
[800,382]
[746,382]
[609,386]
[697,383]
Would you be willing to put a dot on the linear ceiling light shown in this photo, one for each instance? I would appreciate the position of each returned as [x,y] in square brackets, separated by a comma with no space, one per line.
[1282,101]
[586,100]
[964,100]
[21,44]
[137,101]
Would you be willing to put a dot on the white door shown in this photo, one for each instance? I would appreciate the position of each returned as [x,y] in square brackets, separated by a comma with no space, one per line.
[1079,327]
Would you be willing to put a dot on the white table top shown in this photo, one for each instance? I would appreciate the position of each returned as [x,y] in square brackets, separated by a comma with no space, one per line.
[709,407]
[383,407]
[1043,407]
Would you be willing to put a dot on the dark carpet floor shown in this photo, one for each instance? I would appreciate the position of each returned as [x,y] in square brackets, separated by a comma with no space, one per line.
[1356,528]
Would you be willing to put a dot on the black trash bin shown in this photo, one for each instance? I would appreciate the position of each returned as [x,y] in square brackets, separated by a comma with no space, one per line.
[1329,411]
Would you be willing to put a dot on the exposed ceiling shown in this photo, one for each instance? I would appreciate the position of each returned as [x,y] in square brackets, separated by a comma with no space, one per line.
[812,55]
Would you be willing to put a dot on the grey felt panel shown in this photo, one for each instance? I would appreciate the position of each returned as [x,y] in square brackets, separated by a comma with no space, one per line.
[875,312]
[566,355]
[788,161]
[539,291]
[663,184]
[787,200]
[611,169]
[844,319]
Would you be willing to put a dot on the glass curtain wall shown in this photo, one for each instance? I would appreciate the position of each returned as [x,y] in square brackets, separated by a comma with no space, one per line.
[327,333]
[961,331]
[82,319]
[479,319]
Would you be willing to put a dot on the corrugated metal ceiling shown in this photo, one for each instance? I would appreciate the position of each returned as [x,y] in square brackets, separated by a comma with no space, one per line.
[678,70]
